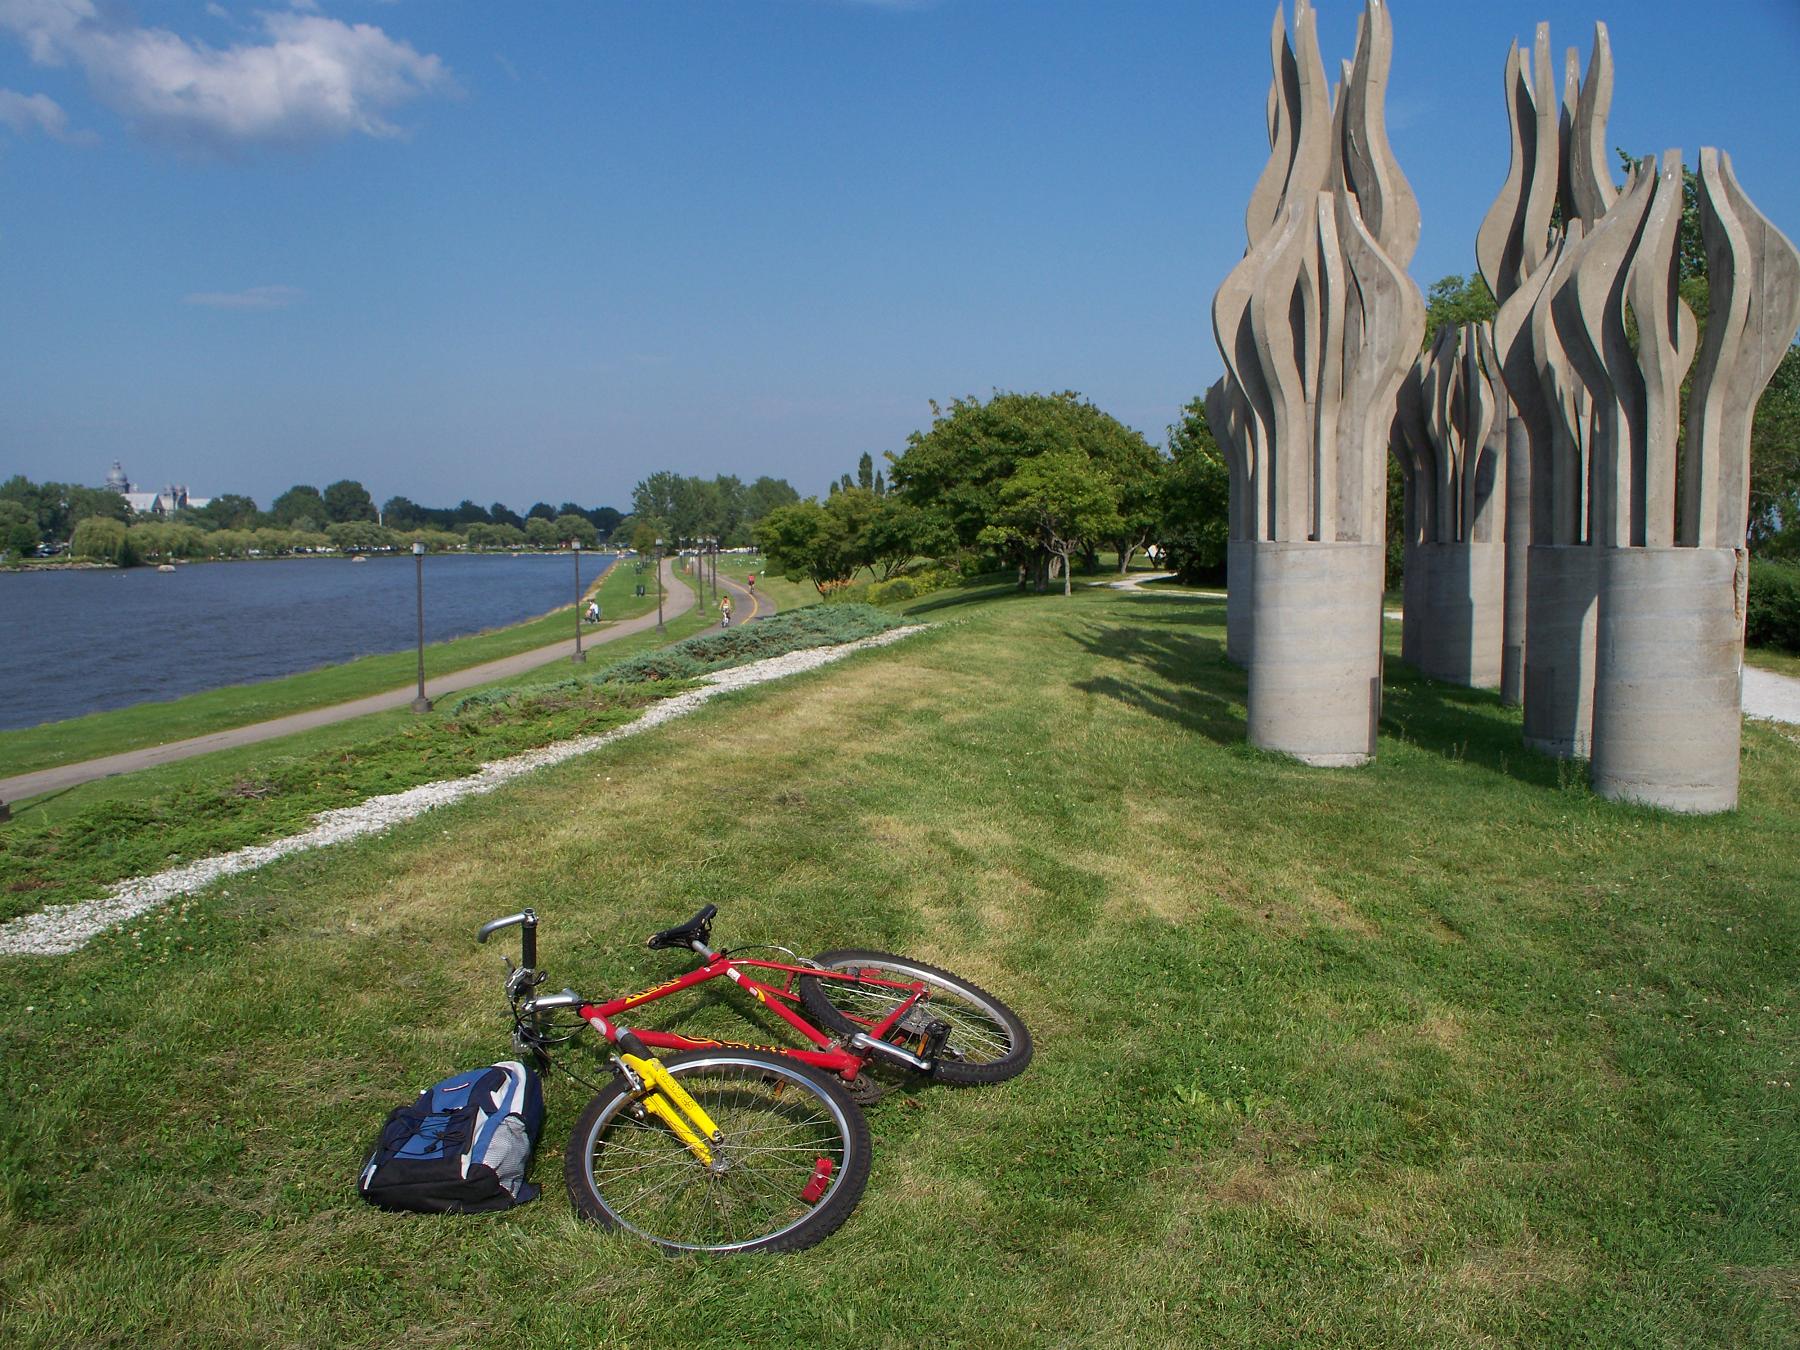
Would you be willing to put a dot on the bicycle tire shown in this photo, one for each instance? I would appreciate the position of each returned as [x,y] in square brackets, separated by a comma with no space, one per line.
[975,1054]
[757,1207]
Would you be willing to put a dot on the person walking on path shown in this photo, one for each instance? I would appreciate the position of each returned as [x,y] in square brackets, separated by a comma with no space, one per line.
[725,610]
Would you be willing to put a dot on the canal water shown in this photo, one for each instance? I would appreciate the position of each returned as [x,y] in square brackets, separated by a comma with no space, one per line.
[74,642]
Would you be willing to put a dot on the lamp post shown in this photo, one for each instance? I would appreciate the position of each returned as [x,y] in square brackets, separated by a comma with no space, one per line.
[579,654]
[659,602]
[712,548]
[421,704]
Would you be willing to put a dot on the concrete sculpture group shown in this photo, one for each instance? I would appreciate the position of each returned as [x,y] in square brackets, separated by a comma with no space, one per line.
[1565,542]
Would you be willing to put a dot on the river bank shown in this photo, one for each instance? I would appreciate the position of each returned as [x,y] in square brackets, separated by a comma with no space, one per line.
[27,749]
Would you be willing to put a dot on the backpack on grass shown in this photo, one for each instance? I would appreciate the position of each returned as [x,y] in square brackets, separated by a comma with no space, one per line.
[462,1147]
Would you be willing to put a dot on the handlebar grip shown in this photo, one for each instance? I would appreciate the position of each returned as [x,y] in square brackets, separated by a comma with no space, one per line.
[526,919]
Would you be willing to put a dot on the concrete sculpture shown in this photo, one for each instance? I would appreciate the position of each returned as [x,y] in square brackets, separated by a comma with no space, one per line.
[1558,166]
[1668,538]
[1318,325]
[1449,436]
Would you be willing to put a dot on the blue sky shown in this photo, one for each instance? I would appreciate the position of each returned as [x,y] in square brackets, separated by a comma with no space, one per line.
[536,249]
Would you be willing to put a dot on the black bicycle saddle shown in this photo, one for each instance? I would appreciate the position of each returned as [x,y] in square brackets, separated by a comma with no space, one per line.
[698,928]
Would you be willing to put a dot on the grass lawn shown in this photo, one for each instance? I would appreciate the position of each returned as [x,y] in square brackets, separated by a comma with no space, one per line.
[1444,1050]
[1769,658]
[110,733]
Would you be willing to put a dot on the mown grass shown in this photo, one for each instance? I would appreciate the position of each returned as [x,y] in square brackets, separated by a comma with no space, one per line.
[1770,658]
[1442,1051]
[121,729]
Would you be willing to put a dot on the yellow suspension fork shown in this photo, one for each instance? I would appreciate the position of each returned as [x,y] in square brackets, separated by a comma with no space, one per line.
[668,1101]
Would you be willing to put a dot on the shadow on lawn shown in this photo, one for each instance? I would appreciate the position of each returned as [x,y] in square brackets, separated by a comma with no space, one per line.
[1209,694]
[1466,725]
[1208,691]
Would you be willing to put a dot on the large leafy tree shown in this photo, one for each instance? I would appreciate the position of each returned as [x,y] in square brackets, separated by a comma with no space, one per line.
[955,470]
[1055,502]
[300,507]
[1196,501]
[18,528]
[228,511]
[347,500]
[807,540]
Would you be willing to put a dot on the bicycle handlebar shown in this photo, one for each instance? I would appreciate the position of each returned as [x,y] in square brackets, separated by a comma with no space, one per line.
[527,920]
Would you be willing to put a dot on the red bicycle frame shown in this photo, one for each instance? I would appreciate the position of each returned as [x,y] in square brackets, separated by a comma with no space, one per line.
[827,1055]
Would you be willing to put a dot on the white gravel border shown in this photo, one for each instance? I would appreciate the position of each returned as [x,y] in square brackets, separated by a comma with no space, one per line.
[61,929]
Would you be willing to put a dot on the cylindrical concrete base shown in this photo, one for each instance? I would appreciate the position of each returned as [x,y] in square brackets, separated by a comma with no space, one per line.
[1518,550]
[1668,678]
[1240,579]
[1457,609]
[1315,663]
[1562,587]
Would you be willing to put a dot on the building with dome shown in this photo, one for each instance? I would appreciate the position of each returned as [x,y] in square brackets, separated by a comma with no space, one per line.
[172,498]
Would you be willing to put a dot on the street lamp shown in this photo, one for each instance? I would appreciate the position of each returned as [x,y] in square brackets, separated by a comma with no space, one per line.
[579,654]
[421,704]
[712,549]
[659,597]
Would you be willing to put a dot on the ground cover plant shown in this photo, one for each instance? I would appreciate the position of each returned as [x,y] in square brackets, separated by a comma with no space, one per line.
[1440,1051]
[789,631]
[108,733]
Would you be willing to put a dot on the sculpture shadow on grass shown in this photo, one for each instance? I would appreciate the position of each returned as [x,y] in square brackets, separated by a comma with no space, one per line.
[1466,725]
[1201,691]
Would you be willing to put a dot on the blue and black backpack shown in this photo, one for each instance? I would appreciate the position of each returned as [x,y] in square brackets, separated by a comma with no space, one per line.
[462,1148]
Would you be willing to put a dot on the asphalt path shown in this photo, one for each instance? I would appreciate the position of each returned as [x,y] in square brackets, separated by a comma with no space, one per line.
[680,600]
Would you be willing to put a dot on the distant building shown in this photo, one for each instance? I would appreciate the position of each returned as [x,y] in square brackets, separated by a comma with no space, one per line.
[173,498]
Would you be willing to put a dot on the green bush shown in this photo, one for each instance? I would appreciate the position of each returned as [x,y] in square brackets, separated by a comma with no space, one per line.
[1773,614]
[791,631]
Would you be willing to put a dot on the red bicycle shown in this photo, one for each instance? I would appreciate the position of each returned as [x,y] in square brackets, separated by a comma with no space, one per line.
[730,1146]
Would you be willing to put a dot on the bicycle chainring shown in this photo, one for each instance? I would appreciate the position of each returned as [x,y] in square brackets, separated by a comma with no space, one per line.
[865,1091]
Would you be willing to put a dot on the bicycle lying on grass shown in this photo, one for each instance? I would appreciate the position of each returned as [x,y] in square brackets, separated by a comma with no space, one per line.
[729,1146]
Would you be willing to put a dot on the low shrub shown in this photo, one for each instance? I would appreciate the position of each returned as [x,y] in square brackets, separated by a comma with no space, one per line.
[1772,618]
[791,631]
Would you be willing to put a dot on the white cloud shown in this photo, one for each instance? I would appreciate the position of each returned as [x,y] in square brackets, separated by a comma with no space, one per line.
[255,297]
[312,78]
[26,113]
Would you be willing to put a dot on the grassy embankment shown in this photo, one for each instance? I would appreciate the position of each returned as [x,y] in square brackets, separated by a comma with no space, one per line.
[68,847]
[110,733]
[1441,1051]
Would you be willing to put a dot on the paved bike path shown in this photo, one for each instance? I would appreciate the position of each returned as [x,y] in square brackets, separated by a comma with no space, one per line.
[680,600]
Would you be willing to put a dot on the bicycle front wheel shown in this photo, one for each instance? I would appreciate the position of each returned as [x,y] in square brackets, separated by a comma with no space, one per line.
[792,1165]
[987,1041]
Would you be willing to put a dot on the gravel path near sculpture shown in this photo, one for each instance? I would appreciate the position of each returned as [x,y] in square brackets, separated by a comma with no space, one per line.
[62,929]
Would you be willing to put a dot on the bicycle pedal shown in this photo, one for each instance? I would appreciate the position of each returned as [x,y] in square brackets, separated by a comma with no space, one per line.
[931,1043]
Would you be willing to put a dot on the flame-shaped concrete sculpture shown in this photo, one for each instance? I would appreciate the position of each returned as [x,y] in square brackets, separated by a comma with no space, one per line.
[1317,326]
[1449,436]
[1668,538]
[1558,162]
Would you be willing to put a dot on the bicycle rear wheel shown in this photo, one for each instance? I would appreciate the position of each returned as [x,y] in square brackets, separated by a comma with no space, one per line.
[793,1164]
[987,1042]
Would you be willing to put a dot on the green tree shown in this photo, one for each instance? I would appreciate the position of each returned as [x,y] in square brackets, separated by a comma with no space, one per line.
[764,495]
[19,534]
[1775,464]
[955,470]
[1056,502]
[229,511]
[540,533]
[1196,502]
[104,540]
[300,507]
[570,528]
[347,500]
[865,472]
[807,540]
[1456,300]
